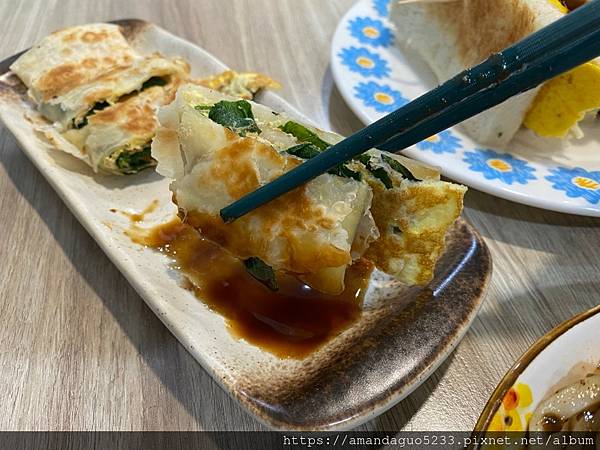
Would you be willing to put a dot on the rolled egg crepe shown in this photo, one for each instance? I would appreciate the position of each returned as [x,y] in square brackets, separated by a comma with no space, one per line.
[99,94]
[73,70]
[218,148]
[412,210]
[453,35]
[117,139]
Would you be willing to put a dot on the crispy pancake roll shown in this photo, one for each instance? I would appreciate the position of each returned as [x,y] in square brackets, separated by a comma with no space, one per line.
[218,148]
[96,89]
[100,95]
[453,35]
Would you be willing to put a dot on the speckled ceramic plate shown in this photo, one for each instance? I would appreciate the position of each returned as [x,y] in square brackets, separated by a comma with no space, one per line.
[561,357]
[375,77]
[399,340]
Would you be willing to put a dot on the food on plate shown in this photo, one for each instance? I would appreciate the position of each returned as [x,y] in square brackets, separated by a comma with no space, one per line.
[243,85]
[386,208]
[116,139]
[456,34]
[101,95]
[291,322]
[575,407]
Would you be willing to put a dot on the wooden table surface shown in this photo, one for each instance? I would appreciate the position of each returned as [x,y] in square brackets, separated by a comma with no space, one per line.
[81,351]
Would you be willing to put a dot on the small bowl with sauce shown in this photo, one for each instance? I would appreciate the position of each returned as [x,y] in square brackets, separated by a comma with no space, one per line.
[554,386]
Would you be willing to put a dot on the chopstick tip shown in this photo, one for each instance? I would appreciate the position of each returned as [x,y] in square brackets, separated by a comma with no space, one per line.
[226,216]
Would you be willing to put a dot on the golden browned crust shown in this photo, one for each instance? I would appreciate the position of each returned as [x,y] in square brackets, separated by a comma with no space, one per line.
[65,77]
[235,170]
[61,79]
[413,221]
[293,217]
[104,50]
[90,37]
[483,27]
[136,113]
[137,119]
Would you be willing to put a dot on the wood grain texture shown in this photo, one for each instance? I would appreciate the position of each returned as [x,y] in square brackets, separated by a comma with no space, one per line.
[81,351]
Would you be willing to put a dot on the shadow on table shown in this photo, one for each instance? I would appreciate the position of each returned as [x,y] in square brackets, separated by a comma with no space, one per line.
[176,369]
[488,204]
[341,119]
[169,361]
[524,226]
[533,313]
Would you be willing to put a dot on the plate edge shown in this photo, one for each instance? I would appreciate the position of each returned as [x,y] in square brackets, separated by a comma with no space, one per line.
[347,424]
[564,207]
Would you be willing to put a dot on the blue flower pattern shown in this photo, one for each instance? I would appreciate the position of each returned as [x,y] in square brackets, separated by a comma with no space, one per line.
[364,62]
[382,7]
[381,97]
[576,183]
[444,142]
[500,166]
[506,168]
[371,31]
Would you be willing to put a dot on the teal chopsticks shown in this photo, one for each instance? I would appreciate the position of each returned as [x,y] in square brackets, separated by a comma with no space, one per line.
[559,47]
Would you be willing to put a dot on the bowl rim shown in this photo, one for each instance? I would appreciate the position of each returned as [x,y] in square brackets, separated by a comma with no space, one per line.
[523,362]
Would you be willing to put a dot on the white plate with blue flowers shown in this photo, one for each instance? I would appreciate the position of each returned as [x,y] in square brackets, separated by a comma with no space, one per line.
[375,77]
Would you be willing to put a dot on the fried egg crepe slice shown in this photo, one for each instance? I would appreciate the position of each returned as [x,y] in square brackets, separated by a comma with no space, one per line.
[101,95]
[453,35]
[73,70]
[412,217]
[72,56]
[308,232]
[313,231]
[239,84]
[117,139]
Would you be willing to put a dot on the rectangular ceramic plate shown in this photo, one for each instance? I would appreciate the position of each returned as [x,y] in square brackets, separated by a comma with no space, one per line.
[401,337]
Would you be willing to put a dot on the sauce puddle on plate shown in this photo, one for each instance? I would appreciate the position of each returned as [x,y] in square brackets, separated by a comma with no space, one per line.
[290,323]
